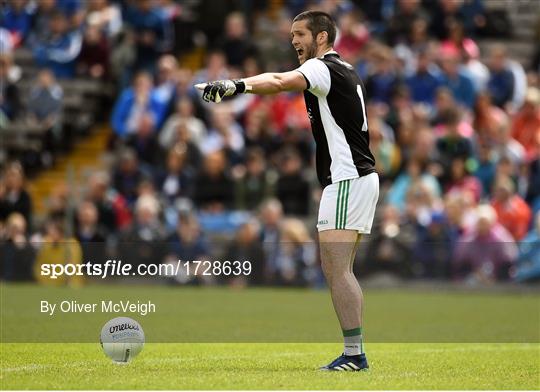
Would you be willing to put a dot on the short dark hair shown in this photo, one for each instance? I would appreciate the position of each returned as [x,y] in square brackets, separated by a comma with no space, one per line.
[318,21]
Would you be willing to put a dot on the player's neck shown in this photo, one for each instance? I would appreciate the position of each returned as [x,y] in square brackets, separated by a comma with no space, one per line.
[323,50]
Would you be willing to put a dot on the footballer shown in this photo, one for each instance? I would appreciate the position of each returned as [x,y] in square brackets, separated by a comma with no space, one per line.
[335,101]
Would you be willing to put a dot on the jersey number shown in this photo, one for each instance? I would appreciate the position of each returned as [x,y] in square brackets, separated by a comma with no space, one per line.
[361,95]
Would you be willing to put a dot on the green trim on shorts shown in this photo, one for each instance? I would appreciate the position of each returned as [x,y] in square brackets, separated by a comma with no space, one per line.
[342,204]
[346,205]
[337,205]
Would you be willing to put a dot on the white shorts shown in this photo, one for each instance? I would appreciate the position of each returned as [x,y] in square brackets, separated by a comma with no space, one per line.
[349,204]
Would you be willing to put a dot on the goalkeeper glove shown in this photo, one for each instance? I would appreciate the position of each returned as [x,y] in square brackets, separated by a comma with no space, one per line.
[216,91]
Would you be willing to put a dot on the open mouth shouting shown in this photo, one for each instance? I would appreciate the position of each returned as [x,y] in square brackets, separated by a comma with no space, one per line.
[300,54]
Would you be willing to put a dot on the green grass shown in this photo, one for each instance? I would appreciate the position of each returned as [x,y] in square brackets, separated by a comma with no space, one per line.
[271,366]
[205,315]
[218,338]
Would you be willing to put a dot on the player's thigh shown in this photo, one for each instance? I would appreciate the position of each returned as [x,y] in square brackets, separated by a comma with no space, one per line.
[337,248]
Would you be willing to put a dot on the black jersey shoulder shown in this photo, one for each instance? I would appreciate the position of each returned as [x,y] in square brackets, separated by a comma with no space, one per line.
[346,101]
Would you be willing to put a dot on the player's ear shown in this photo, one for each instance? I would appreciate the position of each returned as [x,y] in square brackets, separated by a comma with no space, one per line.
[322,38]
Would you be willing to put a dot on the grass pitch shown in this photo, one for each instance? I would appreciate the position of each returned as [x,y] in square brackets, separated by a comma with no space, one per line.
[271,366]
[226,339]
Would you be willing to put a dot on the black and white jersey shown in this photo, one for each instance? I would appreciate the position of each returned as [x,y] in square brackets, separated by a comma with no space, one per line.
[337,111]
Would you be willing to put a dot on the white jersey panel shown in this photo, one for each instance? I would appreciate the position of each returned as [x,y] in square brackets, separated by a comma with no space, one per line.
[342,166]
[318,76]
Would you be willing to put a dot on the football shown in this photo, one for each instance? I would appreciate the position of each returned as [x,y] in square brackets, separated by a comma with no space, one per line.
[122,339]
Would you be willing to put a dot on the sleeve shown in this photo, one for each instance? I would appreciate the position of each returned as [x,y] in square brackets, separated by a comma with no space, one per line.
[317,76]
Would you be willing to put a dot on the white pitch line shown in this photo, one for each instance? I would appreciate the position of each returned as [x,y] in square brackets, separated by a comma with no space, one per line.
[31,367]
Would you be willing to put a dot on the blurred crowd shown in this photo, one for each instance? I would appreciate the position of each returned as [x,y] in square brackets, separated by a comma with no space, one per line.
[455,133]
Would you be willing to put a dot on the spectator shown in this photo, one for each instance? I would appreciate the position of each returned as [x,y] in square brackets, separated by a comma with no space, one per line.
[501,83]
[486,253]
[413,176]
[271,215]
[444,102]
[433,248]
[488,119]
[476,68]
[187,244]
[41,20]
[106,16]
[132,104]
[184,114]
[88,229]
[128,175]
[297,255]
[381,84]
[122,59]
[386,152]
[184,90]
[460,181]
[16,252]
[256,182]
[520,84]
[245,246]
[177,179]
[74,11]
[485,169]
[167,70]
[16,17]
[459,209]
[423,150]
[426,80]
[457,40]
[444,12]
[259,131]
[58,248]
[236,43]
[59,49]
[390,246]
[509,147]
[152,33]
[528,262]
[45,109]
[90,234]
[275,50]
[213,186]
[113,212]
[216,68]
[526,123]
[93,60]
[142,242]
[10,101]
[144,141]
[512,211]
[456,80]
[225,134]
[13,195]
[452,143]
[353,36]
[418,38]
[292,188]
[533,191]
[399,25]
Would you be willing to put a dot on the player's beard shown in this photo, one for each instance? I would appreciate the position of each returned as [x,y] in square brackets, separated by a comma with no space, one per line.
[312,52]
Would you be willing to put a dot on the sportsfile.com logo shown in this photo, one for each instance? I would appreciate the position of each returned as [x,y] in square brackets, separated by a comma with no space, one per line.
[120,268]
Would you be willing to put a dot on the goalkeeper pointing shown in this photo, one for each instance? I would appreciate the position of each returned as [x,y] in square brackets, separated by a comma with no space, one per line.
[336,107]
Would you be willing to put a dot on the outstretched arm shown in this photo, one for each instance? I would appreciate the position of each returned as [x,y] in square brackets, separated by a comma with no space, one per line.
[272,83]
[266,83]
